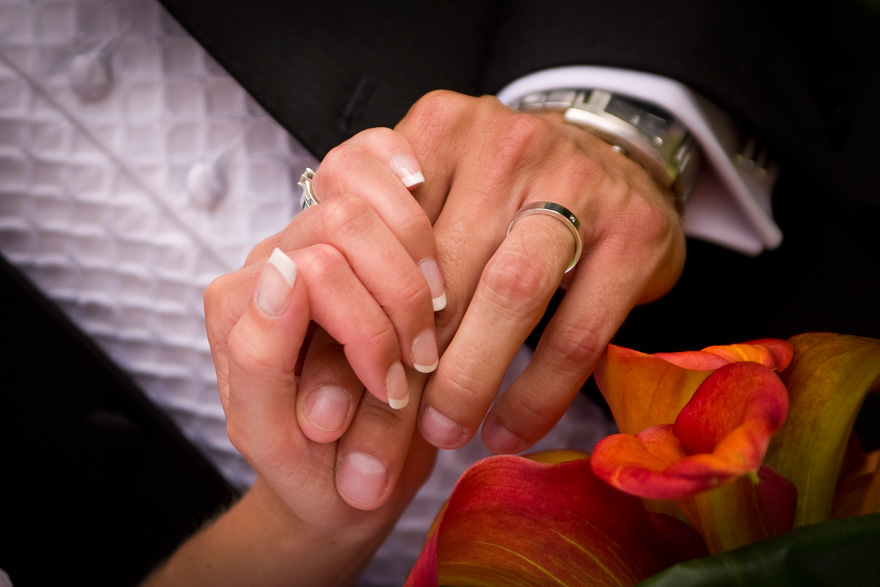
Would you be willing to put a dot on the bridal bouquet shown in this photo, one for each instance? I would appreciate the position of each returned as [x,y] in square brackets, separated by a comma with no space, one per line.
[733,464]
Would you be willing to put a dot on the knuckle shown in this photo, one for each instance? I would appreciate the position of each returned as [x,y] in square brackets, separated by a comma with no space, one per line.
[341,162]
[378,135]
[439,103]
[574,349]
[414,227]
[410,295]
[523,128]
[518,135]
[372,331]
[250,358]
[461,396]
[374,414]
[647,219]
[319,263]
[515,281]
[534,416]
[345,215]
[641,227]
[320,258]
[433,116]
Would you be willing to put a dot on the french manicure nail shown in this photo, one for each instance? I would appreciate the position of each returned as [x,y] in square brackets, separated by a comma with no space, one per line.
[327,408]
[361,478]
[407,169]
[431,270]
[424,352]
[439,430]
[396,387]
[276,283]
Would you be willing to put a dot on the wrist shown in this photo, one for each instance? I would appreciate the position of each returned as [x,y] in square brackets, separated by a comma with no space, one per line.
[309,550]
[643,132]
[261,541]
[611,160]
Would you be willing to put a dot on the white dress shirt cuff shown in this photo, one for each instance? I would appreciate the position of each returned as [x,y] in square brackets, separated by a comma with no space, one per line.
[730,204]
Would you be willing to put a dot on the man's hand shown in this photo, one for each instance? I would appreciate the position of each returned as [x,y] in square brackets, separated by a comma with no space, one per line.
[483,162]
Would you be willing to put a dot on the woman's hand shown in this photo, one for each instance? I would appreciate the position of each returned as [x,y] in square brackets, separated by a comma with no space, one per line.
[482,162]
[297,523]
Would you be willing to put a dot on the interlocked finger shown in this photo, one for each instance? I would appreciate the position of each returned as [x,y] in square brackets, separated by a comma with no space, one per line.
[512,295]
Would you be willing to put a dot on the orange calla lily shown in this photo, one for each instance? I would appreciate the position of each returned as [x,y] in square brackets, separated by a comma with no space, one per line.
[515,521]
[744,442]
[644,390]
[719,434]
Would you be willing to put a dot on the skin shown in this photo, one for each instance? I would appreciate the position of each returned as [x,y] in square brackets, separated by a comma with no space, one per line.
[633,253]
[306,390]
[292,526]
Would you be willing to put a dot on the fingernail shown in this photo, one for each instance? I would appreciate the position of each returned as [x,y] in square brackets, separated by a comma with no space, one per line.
[396,386]
[500,440]
[327,408]
[361,478]
[424,352]
[276,283]
[431,270]
[407,169]
[439,430]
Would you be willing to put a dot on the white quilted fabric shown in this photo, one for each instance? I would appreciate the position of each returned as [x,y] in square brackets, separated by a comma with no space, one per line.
[94,201]
[133,171]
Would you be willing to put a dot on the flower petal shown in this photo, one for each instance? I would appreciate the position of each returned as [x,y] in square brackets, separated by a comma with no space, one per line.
[858,486]
[643,390]
[828,379]
[770,352]
[735,394]
[638,465]
[720,435]
[514,521]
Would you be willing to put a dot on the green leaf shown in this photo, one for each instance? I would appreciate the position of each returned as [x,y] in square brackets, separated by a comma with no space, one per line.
[838,552]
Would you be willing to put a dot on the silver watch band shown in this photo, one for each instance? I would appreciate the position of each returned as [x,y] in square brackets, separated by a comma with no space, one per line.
[644,132]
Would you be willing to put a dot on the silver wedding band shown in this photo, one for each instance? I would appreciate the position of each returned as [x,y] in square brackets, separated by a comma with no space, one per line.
[308,198]
[562,214]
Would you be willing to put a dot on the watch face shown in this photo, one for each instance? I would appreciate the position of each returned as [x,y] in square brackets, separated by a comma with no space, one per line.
[649,119]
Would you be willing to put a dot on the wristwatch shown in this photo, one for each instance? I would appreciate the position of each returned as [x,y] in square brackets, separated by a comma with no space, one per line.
[646,133]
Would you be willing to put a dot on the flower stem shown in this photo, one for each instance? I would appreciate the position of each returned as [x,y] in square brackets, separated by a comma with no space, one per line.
[729,516]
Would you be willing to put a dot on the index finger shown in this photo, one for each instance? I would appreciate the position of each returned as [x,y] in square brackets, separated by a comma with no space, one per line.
[510,299]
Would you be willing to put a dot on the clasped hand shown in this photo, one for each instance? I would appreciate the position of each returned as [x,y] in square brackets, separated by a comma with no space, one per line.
[419,298]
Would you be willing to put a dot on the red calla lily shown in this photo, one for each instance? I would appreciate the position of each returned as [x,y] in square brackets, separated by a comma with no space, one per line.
[515,521]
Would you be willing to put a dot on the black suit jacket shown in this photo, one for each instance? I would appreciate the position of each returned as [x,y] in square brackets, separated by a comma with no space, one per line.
[806,83]
[327,71]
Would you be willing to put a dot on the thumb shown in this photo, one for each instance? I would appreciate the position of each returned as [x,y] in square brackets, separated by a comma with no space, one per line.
[263,348]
